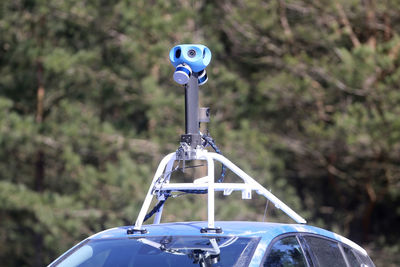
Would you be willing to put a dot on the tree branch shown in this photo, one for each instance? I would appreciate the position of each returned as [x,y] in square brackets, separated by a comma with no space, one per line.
[345,21]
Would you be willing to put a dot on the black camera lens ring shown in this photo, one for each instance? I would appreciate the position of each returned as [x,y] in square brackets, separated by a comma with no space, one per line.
[191,53]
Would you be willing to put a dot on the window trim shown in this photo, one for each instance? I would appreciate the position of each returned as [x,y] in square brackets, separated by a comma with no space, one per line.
[344,254]
[307,250]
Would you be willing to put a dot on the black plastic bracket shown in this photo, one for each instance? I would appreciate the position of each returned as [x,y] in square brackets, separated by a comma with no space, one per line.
[193,140]
[132,231]
[204,115]
[217,230]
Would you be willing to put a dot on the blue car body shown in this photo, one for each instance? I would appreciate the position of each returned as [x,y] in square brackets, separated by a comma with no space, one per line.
[264,233]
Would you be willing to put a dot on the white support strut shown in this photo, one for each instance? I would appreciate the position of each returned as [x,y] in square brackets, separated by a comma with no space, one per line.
[149,196]
[161,183]
[260,189]
[170,164]
[211,192]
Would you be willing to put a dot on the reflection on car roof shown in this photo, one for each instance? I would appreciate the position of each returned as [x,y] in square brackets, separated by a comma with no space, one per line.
[266,230]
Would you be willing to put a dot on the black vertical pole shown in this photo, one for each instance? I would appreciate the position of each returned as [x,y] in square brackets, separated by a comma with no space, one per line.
[192,106]
[192,136]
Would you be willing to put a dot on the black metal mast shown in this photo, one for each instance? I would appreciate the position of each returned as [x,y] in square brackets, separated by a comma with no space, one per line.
[192,127]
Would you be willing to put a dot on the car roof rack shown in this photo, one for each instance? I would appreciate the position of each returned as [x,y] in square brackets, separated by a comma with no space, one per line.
[193,147]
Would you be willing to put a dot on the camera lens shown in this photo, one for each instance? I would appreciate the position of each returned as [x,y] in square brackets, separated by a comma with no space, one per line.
[192,53]
[177,53]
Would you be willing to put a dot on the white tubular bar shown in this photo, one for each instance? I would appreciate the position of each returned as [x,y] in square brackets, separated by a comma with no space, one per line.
[210,172]
[208,183]
[149,196]
[157,216]
[203,186]
[259,188]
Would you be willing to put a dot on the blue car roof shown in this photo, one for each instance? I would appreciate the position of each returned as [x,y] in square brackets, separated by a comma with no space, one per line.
[264,230]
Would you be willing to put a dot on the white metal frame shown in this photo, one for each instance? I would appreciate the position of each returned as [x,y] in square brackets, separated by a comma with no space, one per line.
[161,182]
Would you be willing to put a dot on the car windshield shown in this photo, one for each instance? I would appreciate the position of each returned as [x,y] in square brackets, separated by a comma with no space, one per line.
[162,251]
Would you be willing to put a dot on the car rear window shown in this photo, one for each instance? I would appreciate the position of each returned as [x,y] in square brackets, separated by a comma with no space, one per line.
[163,251]
[326,252]
[285,252]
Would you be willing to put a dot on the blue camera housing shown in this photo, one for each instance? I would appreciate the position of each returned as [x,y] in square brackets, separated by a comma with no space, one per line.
[197,56]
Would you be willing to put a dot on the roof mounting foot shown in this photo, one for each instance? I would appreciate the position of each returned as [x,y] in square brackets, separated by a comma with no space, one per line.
[132,231]
[217,230]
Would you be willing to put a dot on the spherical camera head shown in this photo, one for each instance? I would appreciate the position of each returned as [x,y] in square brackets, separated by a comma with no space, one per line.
[196,56]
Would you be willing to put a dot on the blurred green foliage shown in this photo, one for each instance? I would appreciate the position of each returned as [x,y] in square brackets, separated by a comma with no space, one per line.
[304,95]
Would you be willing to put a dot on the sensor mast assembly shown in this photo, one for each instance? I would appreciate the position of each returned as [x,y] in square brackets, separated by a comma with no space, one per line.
[190,62]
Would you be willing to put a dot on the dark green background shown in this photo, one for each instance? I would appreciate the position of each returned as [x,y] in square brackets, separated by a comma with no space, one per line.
[304,97]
